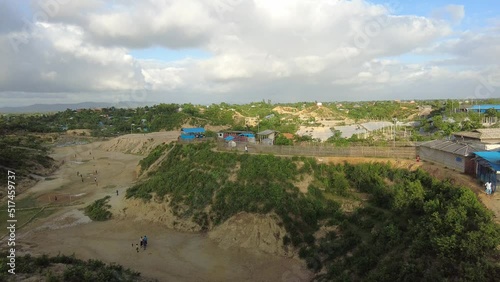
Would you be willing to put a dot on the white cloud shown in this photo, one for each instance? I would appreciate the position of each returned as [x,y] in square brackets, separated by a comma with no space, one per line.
[283,49]
[57,58]
[173,24]
[453,13]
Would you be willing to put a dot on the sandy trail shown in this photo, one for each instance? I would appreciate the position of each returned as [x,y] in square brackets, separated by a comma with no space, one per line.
[171,256]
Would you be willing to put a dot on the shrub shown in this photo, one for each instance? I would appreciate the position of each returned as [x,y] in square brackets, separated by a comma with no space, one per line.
[98,210]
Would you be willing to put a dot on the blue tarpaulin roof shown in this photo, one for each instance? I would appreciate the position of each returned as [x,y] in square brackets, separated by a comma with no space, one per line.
[492,159]
[483,108]
[247,135]
[187,137]
[229,138]
[193,130]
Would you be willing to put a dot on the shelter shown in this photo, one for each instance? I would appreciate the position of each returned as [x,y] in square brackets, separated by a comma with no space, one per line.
[237,136]
[485,138]
[316,132]
[449,154]
[483,108]
[188,134]
[267,136]
[488,167]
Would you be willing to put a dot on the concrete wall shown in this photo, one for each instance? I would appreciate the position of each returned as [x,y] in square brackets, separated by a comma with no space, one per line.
[446,159]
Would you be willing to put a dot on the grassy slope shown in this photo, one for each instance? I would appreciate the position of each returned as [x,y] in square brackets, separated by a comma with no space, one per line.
[411,227]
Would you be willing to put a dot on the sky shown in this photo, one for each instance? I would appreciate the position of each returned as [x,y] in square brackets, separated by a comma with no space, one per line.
[241,51]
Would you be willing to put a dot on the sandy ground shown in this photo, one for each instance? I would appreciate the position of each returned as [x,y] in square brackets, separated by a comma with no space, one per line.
[171,255]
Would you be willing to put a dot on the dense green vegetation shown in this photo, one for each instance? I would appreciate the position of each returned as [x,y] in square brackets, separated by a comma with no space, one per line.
[23,154]
[75,270]
[98,210]
[446,117]
[409,227]
[153,156]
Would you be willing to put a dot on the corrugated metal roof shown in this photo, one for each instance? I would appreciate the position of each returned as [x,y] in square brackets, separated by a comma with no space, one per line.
[376,125]
[450,147]
[481,133]
[489,133]
[322,133]
[266,132]
[468,134]
[347,131]
[492,159]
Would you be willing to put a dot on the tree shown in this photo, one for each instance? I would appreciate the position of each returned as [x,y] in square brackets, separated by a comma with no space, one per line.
[491,112]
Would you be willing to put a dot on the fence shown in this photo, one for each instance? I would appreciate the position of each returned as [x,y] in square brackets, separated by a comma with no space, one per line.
[328,151]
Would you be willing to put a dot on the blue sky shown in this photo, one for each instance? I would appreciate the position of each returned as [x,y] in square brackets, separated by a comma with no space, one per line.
[166,54]
[239,51]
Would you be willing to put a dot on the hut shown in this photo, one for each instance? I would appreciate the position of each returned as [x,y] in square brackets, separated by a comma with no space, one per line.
[449,154]
[485,138]
[237,136]
[189,134]
[267,136]
[488,167]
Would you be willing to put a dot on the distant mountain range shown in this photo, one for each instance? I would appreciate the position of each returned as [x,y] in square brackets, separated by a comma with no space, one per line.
[47,108]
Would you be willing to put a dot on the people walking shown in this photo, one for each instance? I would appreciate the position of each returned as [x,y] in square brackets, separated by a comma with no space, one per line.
[246,149]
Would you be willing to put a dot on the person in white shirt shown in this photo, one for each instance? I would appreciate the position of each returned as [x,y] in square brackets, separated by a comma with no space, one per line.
[488,187]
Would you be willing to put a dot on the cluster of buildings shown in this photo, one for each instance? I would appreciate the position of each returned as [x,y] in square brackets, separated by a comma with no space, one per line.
[266,137]
[476,153]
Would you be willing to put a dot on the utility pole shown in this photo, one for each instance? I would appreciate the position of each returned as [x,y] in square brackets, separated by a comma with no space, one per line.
[395,120]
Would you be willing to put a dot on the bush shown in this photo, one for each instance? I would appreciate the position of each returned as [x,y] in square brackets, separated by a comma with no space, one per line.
[98,210]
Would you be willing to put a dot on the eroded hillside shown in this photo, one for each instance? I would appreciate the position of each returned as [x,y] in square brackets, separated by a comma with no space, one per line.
[352,222]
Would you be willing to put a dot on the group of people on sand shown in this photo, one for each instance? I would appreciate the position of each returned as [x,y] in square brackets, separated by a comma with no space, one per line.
[95,177]
[143,243]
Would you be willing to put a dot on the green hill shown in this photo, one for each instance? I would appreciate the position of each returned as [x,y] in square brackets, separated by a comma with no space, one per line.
[383,224]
